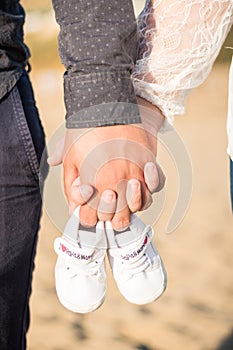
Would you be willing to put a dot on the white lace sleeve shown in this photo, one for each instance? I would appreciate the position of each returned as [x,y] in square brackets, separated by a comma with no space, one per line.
[179,41]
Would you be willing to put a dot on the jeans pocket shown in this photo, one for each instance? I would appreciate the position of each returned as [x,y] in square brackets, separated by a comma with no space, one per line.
[34,124]
[25,134]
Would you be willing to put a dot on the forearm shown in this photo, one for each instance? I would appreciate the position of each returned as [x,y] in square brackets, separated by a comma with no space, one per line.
[179,42]
[98,46]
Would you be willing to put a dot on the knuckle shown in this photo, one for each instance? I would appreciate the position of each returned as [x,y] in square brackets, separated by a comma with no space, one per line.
[104,216]
[121,223]
[88,222]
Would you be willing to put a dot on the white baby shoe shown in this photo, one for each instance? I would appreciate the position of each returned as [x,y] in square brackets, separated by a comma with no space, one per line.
[80,269]
[136,265]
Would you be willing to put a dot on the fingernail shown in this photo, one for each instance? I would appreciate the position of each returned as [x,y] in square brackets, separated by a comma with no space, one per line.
[49,160]
[134,184]
[86,191]
[108,196]
[150,167]
[76,182]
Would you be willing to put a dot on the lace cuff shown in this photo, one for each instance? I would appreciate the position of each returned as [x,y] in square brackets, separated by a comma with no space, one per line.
[178,44]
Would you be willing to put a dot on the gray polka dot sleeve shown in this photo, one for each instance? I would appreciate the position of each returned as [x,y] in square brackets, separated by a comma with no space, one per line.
[98,46]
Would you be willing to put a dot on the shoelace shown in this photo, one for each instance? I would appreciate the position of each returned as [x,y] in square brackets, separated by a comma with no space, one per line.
[90,269]
[137,266]
[134,266]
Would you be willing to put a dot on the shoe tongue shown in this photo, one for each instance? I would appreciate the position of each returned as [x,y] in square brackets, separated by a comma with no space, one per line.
[87,238]
[131,235]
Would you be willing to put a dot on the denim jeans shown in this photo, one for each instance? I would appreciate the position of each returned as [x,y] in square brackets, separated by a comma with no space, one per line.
[21,146]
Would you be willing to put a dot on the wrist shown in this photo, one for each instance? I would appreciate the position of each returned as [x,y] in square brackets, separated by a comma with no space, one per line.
[151,116]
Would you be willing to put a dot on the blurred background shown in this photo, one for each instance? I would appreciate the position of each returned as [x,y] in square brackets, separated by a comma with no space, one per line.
[196,311]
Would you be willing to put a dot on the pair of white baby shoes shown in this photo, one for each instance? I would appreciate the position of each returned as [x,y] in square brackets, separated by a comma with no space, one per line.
[80,271]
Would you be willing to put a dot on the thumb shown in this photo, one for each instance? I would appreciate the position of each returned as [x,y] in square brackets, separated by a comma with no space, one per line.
[57,156]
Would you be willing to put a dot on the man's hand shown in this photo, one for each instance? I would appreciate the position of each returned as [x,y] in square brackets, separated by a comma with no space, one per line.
[118,164]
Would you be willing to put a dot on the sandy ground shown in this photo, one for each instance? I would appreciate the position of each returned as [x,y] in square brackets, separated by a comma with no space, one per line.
[196,311]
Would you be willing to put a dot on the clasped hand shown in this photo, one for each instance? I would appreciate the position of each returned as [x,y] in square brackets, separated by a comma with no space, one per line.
[110,171]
